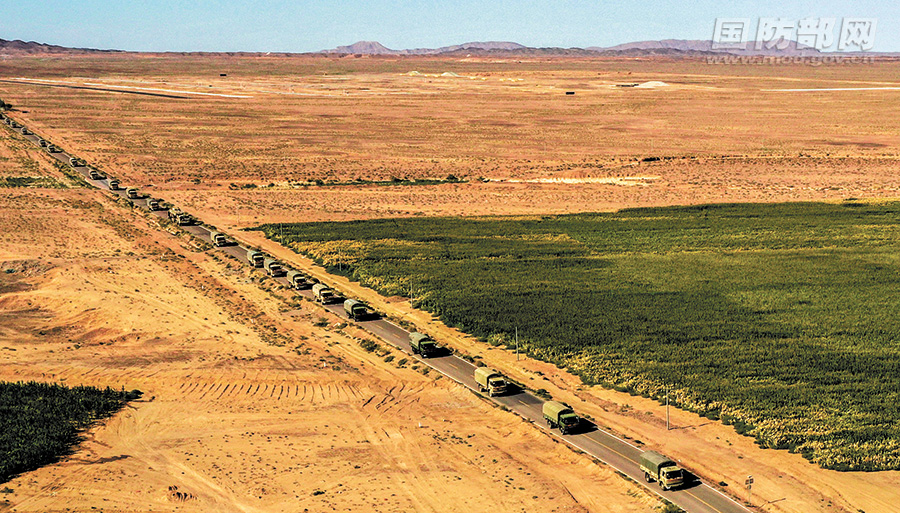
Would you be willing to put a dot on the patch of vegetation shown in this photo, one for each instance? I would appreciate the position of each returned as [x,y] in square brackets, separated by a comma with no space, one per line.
[30,181]
[781,320]
[392,182]
[40,422]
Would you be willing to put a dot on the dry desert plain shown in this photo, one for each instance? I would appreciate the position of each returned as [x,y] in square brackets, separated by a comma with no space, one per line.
[256,402]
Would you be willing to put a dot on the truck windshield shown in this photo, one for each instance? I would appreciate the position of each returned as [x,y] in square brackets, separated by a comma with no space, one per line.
[569,420]
[673,474]
[497,383]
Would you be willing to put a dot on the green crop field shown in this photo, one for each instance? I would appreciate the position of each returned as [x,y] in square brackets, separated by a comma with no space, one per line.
[40,422]
[783,320]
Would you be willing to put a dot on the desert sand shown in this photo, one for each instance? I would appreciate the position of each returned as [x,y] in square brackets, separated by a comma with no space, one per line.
[257,402]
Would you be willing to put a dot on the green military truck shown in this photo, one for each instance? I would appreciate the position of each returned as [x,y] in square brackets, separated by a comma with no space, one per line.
[273,267]
[255,258]
[93,174]
[323,294]
[179,217]
[114,184]
[53,149]
[300,281]
[422,344]
[152,203]
[357,310]
[490,381]
[661,469]
[218,239]
[560,415]
[132,193]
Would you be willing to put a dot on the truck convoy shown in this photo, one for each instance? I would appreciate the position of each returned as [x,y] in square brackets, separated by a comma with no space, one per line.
[273,267]
[422,344]
[357,310]
[490,381]
[255,258]
[323,294]
[218,239]
[560,415]
[300,281]
[661,469]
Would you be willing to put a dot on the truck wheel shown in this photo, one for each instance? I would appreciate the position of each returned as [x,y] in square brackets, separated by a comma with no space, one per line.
[661,485]
[647,477]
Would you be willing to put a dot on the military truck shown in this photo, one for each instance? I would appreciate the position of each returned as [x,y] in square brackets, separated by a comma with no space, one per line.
[323,294]
[661,469]
[51,148]
[42,143]
[273,267]
[132,193]
[490,381]
[357,310]
[560,415]
[26,131]
[217,238]
[180,218]
[255,258]
[113,184]
[93,174]
[422,344]
[299,280]
[152,203]
[74,162]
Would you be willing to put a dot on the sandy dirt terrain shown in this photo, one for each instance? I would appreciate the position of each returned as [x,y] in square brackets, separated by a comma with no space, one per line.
[235,418]
[251,403]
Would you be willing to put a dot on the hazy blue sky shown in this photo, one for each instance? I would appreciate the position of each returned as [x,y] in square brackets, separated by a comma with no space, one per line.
[299,26]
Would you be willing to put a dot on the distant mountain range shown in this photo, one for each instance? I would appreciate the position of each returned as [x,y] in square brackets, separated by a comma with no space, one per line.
[666,47]
[673,47]
[31,47]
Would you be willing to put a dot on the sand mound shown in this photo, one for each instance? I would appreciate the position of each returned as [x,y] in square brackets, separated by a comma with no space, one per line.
[652,84]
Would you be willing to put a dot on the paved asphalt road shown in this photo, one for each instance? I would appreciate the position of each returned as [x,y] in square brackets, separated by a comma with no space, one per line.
[696,497]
